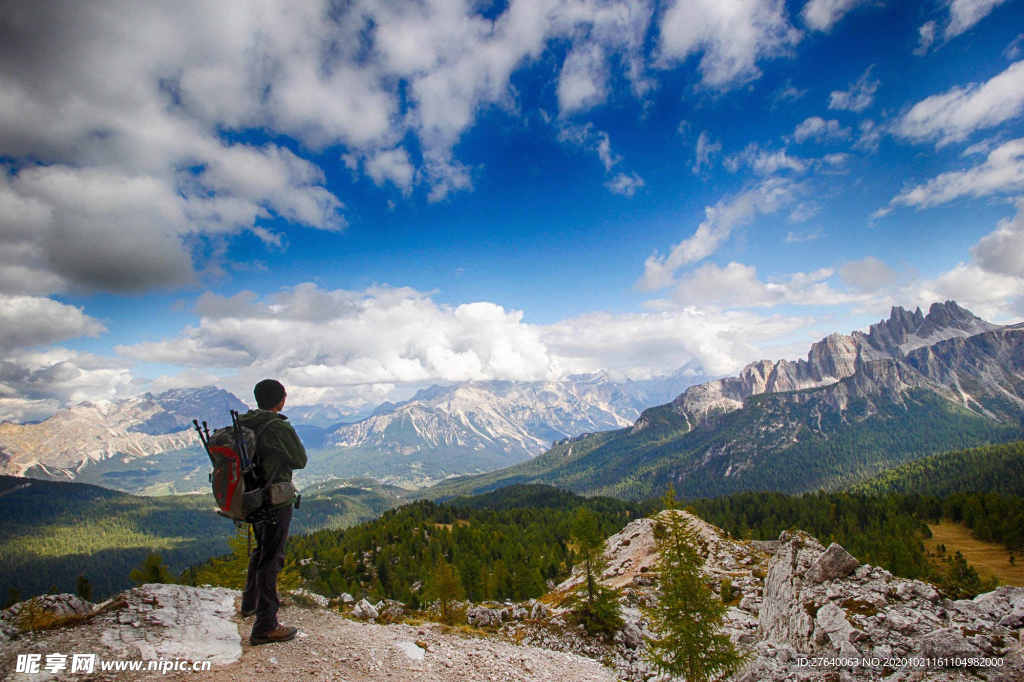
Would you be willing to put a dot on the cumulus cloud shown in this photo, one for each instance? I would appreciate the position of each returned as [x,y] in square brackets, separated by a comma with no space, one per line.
[817,128]
[732,37]
[34,384]
[391,165]
[955,114]
[719,222]
[1001,172]
[1002,251]
[582,82]
[991,284]
[27,321]
[966,13]
[644,344]
[822,15]
[705,152]
[626,185]
[332,340]
[860,95]
[737,285]
[869,274]
[137,119]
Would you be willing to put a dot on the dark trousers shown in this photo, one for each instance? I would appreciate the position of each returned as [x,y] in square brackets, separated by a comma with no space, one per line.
[265,563]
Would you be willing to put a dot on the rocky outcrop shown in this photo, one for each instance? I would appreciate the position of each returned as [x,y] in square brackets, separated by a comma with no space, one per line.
[939,351]
[794,601]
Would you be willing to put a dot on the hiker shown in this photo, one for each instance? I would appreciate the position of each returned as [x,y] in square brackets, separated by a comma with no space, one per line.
[278,451]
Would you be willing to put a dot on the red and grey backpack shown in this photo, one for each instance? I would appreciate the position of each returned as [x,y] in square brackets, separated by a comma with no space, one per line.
[232,452]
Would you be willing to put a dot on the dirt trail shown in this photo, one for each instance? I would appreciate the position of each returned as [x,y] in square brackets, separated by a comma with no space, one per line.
[331,647]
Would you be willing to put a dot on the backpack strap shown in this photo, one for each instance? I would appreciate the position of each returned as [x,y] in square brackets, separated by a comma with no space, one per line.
[256,440]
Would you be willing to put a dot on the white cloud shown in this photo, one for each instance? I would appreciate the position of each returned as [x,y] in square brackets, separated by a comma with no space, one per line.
[1002,251]
[27,321]
[870,136]
[149,103]
[765,161]
[719,221]
[955,114]
[1013,50]
[732,37]
[583,81]
[391,165]
[801,213]
[993,296]
[34,384]
[925,38]
[798,237]
[966,13]
[644,344]
[626,185]
[589,138]
[705,152]
[334,340]
[1001,172]
[817,128]
[822,15]
[869,274]
[737,286]
[860,95]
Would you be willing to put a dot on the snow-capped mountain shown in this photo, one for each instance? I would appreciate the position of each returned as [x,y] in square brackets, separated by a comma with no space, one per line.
[476,426]
[93,432]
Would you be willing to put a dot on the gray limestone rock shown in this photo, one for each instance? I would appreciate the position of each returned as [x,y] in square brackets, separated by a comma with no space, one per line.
[835,562]
[364,610]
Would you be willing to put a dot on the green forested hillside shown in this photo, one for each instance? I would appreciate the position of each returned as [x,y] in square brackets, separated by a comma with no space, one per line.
[991,468]
[51,532]
[783,442]
[499,550]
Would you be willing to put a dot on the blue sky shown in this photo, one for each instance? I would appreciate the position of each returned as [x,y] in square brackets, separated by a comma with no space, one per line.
[367,198]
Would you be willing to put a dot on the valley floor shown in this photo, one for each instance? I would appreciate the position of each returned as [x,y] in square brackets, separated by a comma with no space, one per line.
[990,559]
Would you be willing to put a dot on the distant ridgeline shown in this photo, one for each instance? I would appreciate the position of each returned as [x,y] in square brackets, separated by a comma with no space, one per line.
[913,386]
[52,532]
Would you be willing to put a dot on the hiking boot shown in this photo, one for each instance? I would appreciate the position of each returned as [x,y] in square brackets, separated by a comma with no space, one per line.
[282,633]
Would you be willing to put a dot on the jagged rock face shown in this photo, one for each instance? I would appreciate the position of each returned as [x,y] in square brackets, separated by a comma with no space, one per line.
[91,432]
[949,351]
[871,613]
[796,600]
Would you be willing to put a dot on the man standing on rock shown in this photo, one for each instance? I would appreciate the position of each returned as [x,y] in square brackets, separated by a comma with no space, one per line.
[278,452]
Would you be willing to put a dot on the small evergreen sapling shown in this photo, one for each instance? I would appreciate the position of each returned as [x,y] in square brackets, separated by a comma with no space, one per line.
[687,615]
[597,609]
[445,585]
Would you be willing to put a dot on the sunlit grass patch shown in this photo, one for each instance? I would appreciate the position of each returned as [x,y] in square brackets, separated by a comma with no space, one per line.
[990,559]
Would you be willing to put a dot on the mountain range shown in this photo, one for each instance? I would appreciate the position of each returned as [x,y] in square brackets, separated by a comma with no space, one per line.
[145,444]
[482,425]
[912,385]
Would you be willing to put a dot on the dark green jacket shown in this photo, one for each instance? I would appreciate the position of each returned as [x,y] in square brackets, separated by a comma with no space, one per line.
[279,450]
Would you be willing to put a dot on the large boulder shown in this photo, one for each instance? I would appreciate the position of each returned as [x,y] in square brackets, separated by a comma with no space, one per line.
[835,562]
[364,610]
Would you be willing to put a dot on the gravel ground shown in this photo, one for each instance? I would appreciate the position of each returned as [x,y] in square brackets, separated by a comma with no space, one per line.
[332,647]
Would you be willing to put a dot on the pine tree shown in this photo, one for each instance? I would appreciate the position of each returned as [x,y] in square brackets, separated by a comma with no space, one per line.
[445,586]
[83,588]
[597,609]
[687,615]
[152,570]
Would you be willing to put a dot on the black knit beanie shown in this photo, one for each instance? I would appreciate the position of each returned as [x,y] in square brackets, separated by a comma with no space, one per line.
[268,393]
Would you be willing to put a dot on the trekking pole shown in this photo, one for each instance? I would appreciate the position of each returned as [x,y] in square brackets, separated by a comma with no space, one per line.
[205,440]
